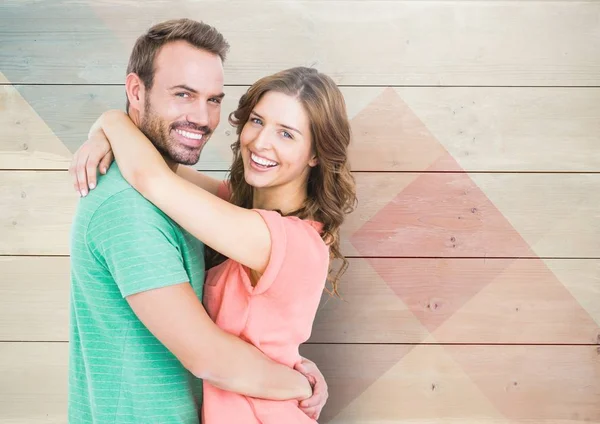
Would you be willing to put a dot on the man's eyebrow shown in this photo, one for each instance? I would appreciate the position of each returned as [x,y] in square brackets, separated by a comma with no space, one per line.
[184,87]
[190,89]
[281,125]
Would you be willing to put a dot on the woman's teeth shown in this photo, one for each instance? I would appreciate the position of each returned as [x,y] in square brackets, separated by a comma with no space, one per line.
[262,161]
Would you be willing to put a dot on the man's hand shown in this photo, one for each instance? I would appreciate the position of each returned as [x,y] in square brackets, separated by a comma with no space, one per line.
[313,405]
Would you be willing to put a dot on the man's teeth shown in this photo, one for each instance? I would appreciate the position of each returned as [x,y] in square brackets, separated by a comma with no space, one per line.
[187,134]
[262,161]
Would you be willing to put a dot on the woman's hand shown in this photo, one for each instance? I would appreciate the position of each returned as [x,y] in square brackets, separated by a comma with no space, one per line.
[94,154]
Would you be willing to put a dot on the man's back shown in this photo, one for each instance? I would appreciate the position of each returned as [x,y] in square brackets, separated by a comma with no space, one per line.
[119,372]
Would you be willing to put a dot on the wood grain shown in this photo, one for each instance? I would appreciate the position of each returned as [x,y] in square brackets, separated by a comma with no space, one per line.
[33,387]
[359,43]
[26,140]
[34,298]
[459,384]
[374,383]
[383,301]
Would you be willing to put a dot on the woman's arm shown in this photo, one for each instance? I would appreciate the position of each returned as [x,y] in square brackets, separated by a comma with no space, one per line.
[238,233]
[95,155]
[199,179]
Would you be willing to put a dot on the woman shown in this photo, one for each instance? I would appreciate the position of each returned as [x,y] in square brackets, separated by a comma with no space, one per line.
[273,226]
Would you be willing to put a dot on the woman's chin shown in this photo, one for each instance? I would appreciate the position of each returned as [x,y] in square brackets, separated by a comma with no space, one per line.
[256,181]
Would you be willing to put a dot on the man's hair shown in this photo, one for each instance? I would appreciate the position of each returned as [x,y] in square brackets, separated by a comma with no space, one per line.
[198,34]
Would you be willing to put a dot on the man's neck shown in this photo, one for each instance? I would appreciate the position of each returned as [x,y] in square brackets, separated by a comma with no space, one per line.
[134,115]
[171,163]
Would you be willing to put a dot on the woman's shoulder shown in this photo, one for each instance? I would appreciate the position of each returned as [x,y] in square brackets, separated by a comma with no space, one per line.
[292,224]
[292,235]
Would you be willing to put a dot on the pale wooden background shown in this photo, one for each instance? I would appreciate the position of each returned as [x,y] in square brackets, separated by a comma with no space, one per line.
[471,297]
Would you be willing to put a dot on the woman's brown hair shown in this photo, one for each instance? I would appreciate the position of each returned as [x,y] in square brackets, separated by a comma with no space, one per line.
[331,192]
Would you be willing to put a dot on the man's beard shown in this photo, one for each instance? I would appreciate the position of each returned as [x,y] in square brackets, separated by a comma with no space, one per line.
[158,132]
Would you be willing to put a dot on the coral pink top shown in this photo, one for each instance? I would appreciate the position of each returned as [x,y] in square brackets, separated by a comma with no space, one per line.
[276,315]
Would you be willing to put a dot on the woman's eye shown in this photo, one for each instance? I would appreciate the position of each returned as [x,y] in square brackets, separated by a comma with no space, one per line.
[287,134]
[256,121]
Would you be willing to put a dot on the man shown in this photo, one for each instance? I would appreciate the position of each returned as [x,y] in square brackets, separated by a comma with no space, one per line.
[129,260]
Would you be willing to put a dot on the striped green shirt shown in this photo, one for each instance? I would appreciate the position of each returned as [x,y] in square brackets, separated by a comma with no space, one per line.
[119,372]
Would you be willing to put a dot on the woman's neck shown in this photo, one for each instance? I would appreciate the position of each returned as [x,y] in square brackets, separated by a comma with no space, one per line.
[287,198]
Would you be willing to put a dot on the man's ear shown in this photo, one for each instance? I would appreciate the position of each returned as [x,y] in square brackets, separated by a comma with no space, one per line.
[134,87]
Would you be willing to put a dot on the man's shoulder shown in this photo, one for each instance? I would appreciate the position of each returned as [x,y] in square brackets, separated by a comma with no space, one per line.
[114,191]
[114,200]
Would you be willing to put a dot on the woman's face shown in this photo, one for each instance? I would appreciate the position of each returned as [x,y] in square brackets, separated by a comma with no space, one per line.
[276,144]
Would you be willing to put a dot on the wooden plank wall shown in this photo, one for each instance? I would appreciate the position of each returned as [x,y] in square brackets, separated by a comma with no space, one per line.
[473,294]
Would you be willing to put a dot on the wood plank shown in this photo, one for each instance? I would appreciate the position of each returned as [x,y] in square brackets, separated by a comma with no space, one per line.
[27,142]
[399,215]
[402,129]
[474,215]
[34,298]
[464,301]
[383,301]
[399,43]
[459,384]
[33,387]
[375,383]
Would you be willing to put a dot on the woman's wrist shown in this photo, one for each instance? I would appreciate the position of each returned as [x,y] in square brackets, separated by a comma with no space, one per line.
[103,120]
[111,116]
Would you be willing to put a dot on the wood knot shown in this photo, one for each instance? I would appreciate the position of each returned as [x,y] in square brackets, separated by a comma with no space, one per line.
[433,305]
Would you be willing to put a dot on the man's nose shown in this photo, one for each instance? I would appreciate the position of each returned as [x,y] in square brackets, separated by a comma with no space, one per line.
[199,114]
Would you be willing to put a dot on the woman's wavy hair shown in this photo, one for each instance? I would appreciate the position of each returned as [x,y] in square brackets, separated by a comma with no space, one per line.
[331,192]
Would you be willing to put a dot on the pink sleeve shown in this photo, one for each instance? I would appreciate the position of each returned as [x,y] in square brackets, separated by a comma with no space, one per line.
[297,252]
[224,191]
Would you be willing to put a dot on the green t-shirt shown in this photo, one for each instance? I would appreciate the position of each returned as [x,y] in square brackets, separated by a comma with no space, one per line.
[119,372]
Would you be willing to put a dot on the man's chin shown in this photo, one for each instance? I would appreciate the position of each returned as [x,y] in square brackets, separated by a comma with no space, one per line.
[185,156]
[187,160]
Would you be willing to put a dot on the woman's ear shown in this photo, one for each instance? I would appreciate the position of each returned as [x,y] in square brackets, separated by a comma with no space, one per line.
[313,161]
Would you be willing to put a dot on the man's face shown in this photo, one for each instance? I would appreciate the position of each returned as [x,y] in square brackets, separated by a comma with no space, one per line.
[183,107]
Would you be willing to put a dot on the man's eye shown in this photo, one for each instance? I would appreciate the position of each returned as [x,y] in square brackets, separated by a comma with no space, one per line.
[183,95]
[216,100]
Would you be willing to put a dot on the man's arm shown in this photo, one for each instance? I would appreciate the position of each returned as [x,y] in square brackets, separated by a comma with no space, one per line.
[140,248]
[177,318]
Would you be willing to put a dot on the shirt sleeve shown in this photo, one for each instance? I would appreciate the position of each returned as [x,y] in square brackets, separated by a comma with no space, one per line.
[299,259]
[137,243]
